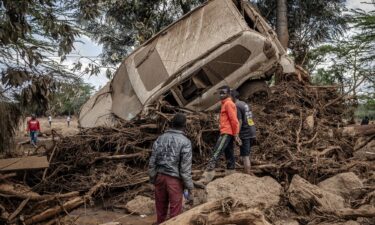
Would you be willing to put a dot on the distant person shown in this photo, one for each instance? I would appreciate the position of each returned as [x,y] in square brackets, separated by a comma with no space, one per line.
[50,120]
[247,129]
[68,121]
[33,127]
[365,120]
[170,169]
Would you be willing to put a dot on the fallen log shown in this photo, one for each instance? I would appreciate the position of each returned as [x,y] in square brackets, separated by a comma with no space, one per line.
[24,192]
[18,210]
[117,157]
[67,206]
[25,163]
[225,211]
[6,176]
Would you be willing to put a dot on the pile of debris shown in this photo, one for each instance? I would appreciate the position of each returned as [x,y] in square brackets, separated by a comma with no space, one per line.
[300,148]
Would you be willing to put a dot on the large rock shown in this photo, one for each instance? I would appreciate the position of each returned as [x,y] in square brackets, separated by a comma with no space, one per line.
[141,205]
[346,185]
[261,192]
[305,196]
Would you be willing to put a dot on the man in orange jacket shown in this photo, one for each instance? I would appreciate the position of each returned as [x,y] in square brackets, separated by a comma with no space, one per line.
[229,129]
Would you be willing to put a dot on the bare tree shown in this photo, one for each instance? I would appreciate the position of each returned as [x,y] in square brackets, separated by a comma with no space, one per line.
[282,23]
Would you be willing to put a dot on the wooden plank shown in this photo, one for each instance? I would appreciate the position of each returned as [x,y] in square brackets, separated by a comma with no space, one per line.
[25,163]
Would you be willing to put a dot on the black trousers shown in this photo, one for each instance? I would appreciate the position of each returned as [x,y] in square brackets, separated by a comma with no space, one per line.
[223,144]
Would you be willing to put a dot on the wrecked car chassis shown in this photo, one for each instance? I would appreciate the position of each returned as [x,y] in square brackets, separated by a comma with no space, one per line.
[219,43]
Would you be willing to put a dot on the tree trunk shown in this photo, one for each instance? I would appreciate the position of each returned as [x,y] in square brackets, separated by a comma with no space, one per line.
[282,23]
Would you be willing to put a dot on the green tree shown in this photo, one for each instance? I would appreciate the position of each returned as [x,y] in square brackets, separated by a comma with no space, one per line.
[309,22]
[31,32]
[123,25]
[68,98]
[365,22]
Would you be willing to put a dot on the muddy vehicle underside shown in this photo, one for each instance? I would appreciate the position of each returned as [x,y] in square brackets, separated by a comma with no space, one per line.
[219,43]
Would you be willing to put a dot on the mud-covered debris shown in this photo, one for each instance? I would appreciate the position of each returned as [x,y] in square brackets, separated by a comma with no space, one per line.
[141,205]
[252,191]
[347,185]
[305,197]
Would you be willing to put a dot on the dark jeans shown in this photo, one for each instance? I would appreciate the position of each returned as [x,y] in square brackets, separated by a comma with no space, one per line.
[33,136]
[223,144]
[168,191]
[245,148]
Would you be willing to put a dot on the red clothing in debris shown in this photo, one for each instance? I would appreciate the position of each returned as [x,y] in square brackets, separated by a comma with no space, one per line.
[33,125]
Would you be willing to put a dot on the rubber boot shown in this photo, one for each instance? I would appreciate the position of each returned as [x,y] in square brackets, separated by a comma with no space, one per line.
[247,165]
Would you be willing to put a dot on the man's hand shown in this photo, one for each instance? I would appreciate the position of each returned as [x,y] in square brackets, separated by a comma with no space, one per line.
[190,200]
[238,141]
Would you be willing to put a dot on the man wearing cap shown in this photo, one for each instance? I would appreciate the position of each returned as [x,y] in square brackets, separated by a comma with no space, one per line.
[247,130]
[229,129]
[170,169]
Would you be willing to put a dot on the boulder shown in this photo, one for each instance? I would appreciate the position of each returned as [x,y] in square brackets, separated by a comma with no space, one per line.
[252,191]
[141,205]
[304,196]
[346,185]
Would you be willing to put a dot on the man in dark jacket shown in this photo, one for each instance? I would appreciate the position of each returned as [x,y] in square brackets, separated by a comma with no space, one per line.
[247,129]
[170,169]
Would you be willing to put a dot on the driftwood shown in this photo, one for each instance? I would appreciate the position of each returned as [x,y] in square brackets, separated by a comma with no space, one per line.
[18,210]
[225,211]
[117,157]
[66,207]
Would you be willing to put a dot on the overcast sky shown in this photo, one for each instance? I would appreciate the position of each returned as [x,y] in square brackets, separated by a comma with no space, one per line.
[92,50]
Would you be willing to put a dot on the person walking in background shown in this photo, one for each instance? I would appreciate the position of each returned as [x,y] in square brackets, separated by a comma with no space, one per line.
[33,127]
[247,130]
[170,169]
[50,120]
[68,121]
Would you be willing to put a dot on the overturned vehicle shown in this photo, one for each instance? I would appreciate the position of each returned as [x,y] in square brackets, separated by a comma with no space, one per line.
[221,42]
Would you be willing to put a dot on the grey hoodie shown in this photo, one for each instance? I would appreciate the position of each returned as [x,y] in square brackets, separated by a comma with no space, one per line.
[172,155]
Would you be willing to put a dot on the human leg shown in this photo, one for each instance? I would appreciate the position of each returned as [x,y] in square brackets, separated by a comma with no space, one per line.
[229,154]
[161,198]
[175,194]
[245,154]
[220,145]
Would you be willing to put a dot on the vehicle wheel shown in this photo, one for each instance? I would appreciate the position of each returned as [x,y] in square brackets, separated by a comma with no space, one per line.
[255,91]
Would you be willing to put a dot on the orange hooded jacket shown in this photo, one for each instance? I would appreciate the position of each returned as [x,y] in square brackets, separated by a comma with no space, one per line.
[228,118]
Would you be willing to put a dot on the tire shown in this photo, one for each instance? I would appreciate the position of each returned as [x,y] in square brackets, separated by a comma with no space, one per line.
[254,91]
